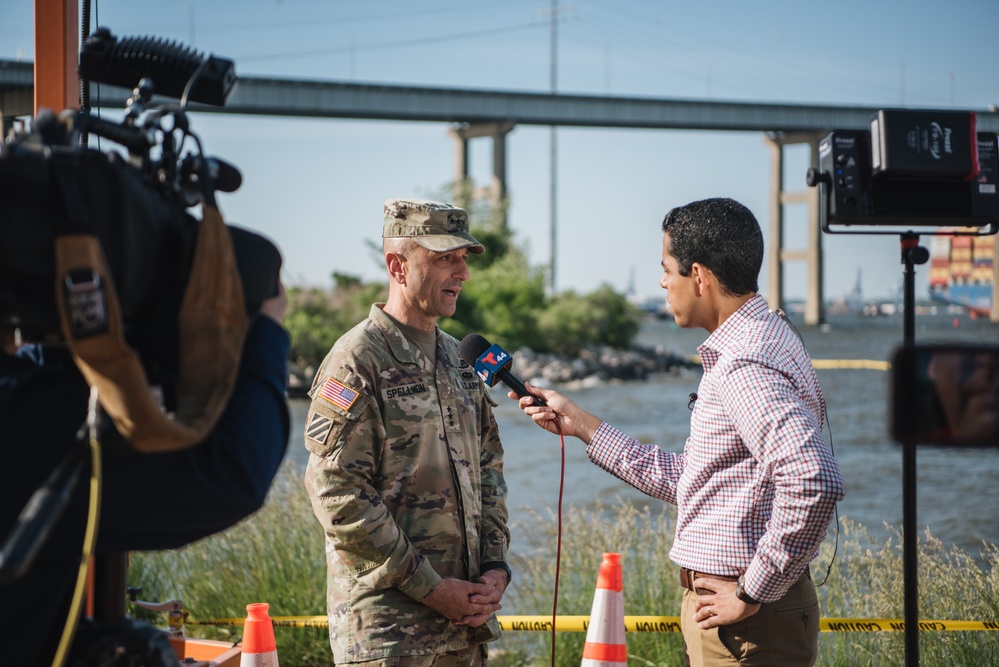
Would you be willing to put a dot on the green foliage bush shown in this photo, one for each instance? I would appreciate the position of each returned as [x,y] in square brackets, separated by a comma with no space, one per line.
[573,322]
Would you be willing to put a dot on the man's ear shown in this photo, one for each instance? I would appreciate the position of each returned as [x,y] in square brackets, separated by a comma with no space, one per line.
[395,264]
[702,277]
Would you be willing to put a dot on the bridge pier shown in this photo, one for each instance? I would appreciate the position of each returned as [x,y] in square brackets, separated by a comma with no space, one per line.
[462,132]
[815,312]
[14,103]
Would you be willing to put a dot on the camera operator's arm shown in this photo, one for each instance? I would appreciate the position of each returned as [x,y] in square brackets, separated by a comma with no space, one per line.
[162,501]
[275,306]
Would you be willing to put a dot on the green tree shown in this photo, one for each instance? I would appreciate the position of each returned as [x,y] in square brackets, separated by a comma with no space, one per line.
[501,302]
[317,317]
[505,295]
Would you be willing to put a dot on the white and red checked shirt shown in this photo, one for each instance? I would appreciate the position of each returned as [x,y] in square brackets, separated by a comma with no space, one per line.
[756,485]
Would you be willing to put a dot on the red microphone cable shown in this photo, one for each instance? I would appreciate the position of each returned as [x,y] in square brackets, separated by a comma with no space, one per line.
[558,538]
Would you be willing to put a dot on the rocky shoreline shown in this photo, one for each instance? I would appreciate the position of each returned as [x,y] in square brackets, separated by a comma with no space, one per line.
[590,367]
[596,365]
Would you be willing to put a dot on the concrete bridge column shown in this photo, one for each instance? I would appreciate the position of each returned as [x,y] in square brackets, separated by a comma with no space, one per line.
[498,131]
[14,103]
[812,254]
[775,266]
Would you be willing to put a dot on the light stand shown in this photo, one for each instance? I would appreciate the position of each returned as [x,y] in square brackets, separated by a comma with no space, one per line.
[908,170]
[912,254]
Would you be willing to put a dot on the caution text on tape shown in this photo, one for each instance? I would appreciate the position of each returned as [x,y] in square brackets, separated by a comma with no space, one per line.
[648,624]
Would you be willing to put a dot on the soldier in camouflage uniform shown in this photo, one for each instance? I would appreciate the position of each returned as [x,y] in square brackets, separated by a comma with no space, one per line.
[406,466]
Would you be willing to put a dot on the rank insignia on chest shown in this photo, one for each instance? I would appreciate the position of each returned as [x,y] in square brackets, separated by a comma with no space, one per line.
[450,412]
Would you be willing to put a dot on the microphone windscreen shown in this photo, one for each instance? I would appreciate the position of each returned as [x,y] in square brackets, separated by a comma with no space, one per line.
[471,348]
[105,58]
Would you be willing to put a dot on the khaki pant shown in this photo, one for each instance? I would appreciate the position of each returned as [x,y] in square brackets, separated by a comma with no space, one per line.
[784,633]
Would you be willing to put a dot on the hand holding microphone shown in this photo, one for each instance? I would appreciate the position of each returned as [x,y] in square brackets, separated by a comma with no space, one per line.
[554,412]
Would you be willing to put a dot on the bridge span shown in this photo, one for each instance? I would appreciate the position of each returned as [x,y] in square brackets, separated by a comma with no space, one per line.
[491,113]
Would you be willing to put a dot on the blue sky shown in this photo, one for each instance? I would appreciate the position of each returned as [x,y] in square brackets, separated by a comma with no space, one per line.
[317,186]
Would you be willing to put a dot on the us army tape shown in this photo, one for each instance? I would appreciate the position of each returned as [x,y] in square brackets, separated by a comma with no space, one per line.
[647,624]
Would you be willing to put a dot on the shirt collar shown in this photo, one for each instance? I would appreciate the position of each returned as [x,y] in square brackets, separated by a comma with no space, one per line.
[730,331]
[405,350]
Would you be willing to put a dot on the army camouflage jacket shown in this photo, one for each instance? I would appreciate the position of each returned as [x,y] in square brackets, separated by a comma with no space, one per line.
[405,474]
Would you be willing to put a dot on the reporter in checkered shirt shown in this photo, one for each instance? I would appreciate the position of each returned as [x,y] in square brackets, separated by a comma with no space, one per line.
[756,483]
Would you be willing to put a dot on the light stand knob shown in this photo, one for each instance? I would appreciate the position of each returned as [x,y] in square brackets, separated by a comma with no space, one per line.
[813,177]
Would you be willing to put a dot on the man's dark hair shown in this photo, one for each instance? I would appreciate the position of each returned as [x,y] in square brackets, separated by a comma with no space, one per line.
[721,234]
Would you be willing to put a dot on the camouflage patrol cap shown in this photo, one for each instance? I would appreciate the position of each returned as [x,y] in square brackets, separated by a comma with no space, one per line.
[434,225]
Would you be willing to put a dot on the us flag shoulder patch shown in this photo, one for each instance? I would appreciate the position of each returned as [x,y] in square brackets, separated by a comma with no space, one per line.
[338,393]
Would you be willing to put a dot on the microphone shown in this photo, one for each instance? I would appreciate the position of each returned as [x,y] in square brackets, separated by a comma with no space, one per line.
[492,363]
[691,399]
[225,175]
[222,176]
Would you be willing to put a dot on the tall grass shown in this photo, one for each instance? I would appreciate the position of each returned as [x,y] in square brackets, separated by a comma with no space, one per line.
[277,556]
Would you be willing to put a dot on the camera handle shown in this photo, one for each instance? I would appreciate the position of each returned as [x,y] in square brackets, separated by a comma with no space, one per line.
[40,514]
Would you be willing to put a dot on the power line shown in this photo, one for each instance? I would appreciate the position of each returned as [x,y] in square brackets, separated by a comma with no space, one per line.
[396,44]
[745,67]
[235,26]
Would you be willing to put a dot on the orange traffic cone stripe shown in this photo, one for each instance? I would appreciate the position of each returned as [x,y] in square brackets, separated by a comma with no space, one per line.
[605,652]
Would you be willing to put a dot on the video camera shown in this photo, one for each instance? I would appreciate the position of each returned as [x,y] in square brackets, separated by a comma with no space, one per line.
[913,168]
[135,202]
[100,255]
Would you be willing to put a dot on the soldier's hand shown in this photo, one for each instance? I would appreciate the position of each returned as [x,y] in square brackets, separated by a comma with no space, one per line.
[497,580]
[453,599]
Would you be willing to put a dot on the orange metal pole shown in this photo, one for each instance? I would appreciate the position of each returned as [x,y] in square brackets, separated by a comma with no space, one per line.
[57,43]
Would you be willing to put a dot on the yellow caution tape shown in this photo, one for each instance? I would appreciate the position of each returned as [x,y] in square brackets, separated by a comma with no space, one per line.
[862,364]
[826,364]
[581,623]
[279,622]
[647,624]
[898,625]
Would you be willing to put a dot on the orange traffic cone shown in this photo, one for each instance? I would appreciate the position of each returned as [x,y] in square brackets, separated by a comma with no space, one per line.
[259,648]
[605,646]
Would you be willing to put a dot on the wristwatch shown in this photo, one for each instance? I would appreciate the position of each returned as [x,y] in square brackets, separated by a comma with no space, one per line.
[498,565]
[740,592]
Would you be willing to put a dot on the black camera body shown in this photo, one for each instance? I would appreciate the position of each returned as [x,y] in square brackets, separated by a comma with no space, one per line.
[912,168]
[147,236]
[134,201]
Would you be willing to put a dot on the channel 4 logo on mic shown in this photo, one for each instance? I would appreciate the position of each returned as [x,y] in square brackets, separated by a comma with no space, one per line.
[492,362]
